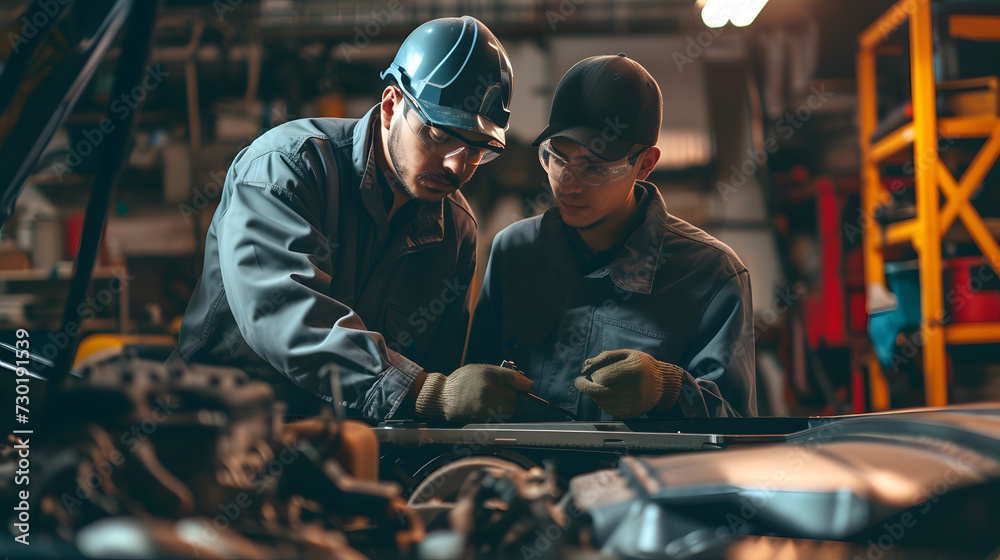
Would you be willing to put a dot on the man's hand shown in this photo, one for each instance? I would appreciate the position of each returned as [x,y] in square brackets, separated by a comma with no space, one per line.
[627,383]
[473,391]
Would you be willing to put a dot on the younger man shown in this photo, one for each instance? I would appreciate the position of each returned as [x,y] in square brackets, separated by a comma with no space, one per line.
[613,307]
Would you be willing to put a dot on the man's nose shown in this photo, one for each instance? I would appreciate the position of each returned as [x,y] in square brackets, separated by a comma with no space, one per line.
[566,183]
[457,162]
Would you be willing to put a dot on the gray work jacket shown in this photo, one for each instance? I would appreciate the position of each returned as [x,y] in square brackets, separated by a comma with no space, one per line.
[302,269]
[673,291]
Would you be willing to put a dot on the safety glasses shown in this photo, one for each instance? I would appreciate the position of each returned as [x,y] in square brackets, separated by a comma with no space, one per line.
[591,175]
[446,142]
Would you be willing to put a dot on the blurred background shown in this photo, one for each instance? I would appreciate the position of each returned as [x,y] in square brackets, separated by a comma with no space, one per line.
[789,133]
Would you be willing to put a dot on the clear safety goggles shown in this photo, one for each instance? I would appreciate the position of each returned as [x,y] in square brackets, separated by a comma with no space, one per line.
[587,174]
[446,142]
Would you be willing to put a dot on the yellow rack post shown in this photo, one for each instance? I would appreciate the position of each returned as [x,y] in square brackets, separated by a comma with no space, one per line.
[931,178]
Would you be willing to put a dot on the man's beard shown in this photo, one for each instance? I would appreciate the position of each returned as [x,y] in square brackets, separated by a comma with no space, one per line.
[398,183]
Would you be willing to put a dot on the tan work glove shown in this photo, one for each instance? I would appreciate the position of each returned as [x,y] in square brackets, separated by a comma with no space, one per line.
[627,383]
[473,391]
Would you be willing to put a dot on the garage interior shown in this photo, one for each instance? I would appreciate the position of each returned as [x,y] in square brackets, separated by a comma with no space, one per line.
[845,151]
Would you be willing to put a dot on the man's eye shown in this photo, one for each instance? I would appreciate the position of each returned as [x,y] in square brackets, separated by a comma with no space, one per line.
[438,136]
[595,171]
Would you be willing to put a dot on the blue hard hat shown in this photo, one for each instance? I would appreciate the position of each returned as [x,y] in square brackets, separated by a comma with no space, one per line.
[458,74]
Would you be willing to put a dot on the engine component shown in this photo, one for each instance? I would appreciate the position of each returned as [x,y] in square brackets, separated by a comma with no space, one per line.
[146,458]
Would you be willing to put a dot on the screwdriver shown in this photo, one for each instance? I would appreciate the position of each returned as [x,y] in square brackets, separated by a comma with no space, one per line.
[510,365]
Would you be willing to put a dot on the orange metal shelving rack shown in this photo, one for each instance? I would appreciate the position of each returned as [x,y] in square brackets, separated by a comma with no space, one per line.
[931,178]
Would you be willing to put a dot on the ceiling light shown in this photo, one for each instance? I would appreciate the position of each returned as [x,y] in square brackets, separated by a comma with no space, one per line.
[716,13]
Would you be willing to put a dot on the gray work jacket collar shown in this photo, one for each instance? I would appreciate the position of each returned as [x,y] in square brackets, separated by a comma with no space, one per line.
[634,267]
[428,214]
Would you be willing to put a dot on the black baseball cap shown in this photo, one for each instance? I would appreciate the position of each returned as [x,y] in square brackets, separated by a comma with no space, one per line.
[608,104]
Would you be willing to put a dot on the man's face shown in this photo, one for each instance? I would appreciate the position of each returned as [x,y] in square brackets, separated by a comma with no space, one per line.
[425,175]
[583,206]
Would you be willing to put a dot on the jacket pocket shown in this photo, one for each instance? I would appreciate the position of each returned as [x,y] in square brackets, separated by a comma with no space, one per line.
[609,333]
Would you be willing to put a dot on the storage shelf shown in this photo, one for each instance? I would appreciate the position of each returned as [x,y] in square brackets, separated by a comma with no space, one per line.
[901,232]
[967,127]
[56,273]
[89,325]
[972,333]
[893,143]
[49,179]
[948,127]
[930,227]
[105,275]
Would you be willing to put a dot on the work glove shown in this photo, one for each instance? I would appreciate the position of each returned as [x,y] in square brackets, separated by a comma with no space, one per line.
[627,383]
[473,391]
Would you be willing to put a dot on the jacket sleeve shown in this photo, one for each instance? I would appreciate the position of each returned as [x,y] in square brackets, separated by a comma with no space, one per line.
[487,321]
[720,378]
[276,267]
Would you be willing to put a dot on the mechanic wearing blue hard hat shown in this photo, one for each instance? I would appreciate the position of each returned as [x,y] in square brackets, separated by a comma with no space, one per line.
[346,241]
[613,307]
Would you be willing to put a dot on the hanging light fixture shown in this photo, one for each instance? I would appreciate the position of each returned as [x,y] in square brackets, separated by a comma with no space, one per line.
[717,13]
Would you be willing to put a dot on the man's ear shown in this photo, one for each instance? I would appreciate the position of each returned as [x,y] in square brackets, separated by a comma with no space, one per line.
[391,100]
[647,162]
